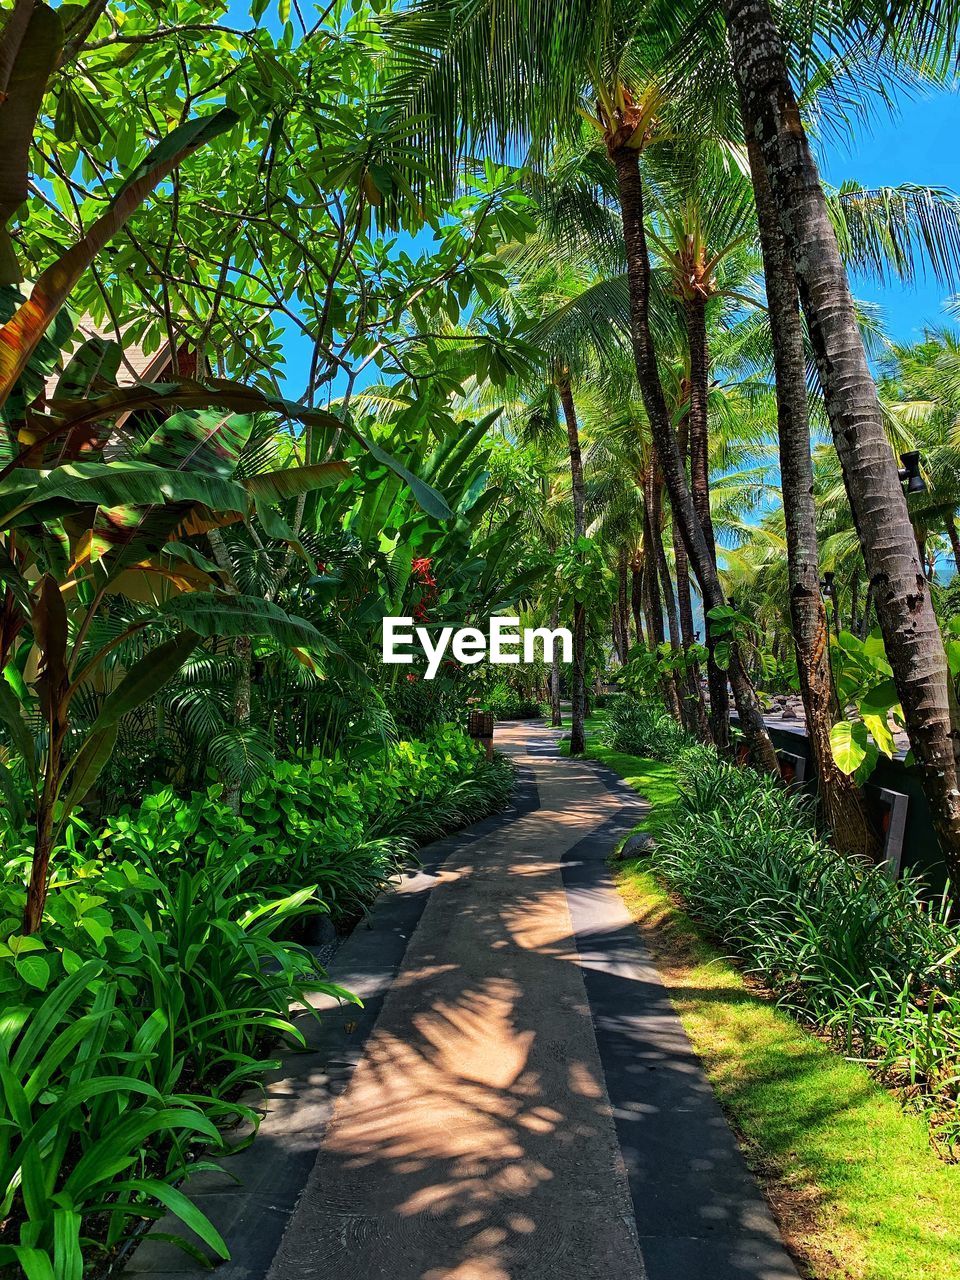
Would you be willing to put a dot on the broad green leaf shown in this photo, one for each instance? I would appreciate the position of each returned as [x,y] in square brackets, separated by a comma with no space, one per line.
[184,1209]
[851,746]
[880,731]
[88,764]
[881,698]
[35,1263]
[146,677]
[202,440]
[67,1254]
[291,482]
[35,970]
[213,614]
[128,484]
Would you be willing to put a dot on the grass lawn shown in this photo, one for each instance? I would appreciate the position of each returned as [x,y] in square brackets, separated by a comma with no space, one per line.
[859,1192]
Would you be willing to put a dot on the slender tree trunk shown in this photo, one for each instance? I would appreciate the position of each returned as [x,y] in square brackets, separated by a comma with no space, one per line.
[621,608]
[43,841]
[855,600]
[652,603]
[867,606]
[695,320]
[556,716]
[669,599]
[675,694]
[912,639]
[636,599]
[698,717]
[654,598]
[954,541]
[842,800]
[697,707]
[577,690]
[665,442]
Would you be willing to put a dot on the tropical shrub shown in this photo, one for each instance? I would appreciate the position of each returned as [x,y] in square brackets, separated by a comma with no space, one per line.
[644,728]
[508,703]
[869,960]
[166,969]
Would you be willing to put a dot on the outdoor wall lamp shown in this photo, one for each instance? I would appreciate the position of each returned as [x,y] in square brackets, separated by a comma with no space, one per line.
[909,473]
[826,584]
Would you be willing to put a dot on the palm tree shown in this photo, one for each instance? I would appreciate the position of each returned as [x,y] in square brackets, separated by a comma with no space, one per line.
[914,646]
[527,70]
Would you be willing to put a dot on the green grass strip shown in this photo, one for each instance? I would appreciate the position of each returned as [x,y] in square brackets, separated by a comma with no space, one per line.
[858,1190]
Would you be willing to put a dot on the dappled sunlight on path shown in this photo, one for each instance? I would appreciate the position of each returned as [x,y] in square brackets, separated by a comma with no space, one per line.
[476,1141]
[528,1106]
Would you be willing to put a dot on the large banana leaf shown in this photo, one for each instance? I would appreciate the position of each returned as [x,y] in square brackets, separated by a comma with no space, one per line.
[20,335]
[213,614]
[293,481]
[119,484]
[189,394]
[206,440]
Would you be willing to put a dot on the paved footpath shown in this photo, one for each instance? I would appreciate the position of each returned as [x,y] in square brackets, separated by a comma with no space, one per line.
[527,1104]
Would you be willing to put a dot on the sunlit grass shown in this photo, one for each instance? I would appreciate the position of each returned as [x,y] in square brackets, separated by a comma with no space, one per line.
[861,1194]
[858,1190]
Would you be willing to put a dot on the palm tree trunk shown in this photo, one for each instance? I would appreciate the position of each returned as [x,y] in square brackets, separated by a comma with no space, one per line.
[630,190]
[636,599]
[578,492]
[867,606]
[652,603]
[842,800]
[697,707]
[556,716]
[954,541]
[695,320]
[621,616]
[912,639]
[675,695]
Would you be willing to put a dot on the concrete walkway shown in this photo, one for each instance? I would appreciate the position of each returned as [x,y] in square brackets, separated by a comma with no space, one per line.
[527,1104]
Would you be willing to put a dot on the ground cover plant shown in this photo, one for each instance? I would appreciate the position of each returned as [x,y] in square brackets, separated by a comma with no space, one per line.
[857,1190]
[166,975]
[872,962]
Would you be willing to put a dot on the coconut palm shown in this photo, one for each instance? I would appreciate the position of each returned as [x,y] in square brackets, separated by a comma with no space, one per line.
[476,72]
[796,214]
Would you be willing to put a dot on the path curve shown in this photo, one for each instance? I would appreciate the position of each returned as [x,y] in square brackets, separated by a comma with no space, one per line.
[527,1104]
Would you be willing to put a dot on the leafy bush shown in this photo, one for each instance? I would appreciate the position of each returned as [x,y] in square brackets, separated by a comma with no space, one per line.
[508,703]
[131,1024]
[869,960]
[644,728]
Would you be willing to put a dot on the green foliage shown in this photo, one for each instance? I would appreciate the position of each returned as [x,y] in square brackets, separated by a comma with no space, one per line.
[870,960]
[645,669]
[508,703]
[864,679]
[166,970]
[643,728]
[728,626]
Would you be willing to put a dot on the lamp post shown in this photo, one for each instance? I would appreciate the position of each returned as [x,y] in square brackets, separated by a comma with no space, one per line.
[828,590]
[909,473]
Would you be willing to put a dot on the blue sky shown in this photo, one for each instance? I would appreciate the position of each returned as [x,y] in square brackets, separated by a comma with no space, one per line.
[920,145]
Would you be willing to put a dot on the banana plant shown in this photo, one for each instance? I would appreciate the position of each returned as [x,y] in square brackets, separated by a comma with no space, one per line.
[90,561]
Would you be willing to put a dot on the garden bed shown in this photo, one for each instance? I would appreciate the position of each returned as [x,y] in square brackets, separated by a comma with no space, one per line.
[166,973]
